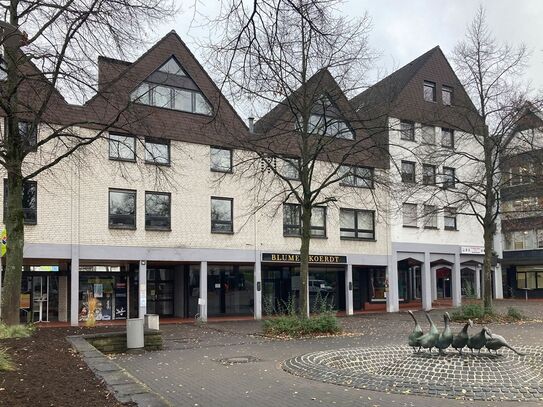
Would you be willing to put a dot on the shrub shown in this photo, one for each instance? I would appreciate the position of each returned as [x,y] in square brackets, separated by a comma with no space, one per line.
[469,311]
[5,361]
[15,331]
[295,326]
[515,314]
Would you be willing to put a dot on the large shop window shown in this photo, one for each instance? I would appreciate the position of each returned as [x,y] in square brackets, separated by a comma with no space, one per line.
[157,151]
[530,277]
[230,289]
[122,147]
[357,224]
[122,209]
[157,211]
[222,215]
[110,291]
[30,201]
[292,220]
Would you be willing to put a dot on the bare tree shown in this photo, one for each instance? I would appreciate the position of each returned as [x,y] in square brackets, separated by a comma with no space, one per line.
[492,75]
[49,48]
[292,62]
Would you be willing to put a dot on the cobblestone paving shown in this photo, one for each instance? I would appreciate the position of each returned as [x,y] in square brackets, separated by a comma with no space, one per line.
[397,369]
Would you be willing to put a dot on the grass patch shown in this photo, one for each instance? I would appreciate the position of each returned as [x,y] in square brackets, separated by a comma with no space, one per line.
[15,331]
[5,362]
[477,313]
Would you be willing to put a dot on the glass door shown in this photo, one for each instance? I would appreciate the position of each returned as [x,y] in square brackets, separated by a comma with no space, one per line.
[160,289]
[39,299]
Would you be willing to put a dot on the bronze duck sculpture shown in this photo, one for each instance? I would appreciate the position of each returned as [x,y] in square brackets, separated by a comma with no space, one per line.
[415,335]
[495,342]
[478,340]
[428,340]
[445,338]
[460,340]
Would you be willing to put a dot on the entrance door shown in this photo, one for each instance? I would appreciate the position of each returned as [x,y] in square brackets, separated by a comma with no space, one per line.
[230,290]
[160,288]
[39,298]
[443,277]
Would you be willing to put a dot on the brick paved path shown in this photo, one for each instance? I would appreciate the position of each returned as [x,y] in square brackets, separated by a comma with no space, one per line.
[190,371]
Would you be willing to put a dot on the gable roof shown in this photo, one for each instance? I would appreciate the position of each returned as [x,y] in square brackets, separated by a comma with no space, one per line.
[112,102]
[400,95]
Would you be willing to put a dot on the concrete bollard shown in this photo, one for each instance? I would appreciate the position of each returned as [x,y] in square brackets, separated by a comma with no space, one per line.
[134,333]
[152,321]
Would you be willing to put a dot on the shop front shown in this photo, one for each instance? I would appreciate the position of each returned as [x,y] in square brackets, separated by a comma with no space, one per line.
[281,282]
[230,289]
[370,286]
[40,293]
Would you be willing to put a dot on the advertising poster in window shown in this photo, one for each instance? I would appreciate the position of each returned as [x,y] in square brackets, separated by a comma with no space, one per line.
[120,299]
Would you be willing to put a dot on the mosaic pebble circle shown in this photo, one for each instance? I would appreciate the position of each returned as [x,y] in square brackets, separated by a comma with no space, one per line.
[397,369]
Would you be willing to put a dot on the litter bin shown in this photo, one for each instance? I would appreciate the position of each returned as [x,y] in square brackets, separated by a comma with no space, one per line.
[152,322]
[134,333]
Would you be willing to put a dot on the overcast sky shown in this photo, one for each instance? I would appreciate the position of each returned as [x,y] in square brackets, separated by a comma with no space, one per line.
[404,29]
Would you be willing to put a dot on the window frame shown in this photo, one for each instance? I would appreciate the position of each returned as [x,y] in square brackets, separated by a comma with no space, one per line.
[231,222]
[356,229]
[299,226]
[354,171]
[159,228]
[416,220]
[445,130]
[294,162]
[112,158]
[451,184]
[446,89]
[433,86]
[231,166]
[450,213]
[424,175]
[423,132]
[430,213]
[26,211]
[411,130]
[158,141]
[403,174]
[124,226]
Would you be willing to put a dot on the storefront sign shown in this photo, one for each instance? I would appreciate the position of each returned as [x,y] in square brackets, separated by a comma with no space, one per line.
[472,250]
[295,258]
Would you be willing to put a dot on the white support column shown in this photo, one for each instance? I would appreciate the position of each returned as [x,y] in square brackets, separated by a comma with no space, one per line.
[349,289]
[426,282]
[456,287]
[498,287]
[202,301]
[258,290]
[393,299]
[434,282]
[74,287]
[478,282]
[142,297]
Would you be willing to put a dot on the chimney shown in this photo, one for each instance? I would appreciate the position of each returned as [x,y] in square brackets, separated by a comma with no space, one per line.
[251,124]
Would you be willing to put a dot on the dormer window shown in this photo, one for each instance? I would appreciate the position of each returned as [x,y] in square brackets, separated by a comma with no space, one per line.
[429,91]
[171,88]
[446,95]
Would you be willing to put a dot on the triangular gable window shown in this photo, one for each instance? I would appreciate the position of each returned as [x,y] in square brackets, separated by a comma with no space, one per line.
[172,67]
[170,87]
[325,121]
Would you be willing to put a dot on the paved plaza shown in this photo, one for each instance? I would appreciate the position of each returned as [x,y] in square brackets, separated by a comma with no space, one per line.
[231,364]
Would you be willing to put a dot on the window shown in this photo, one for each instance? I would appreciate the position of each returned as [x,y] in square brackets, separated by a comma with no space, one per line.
[185,100]
[157,211]
[122,147]
[447,138]
[122,209]
[30,201]
[357,224]
[428,174]
[428,134]
[521,174]
[288,168]
[356,176]
[329,126]
[521,240]
[430,217]
[429,91]
[28,133]
[157,151]
[222,215]
[407,130]
[408,171]
[409,212]
[292,220]
[530,277]
[449,177]
[449,219]
[221,159]
[172,67]
[539,233]
[446,95]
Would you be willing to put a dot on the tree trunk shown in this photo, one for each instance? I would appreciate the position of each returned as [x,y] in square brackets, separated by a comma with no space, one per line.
[304,261]
[14,256]
[487,266]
